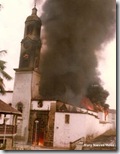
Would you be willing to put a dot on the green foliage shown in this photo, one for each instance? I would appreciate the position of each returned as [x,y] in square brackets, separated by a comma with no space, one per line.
[3,74]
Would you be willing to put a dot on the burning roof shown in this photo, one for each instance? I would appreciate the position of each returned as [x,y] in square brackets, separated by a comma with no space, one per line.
[87,104]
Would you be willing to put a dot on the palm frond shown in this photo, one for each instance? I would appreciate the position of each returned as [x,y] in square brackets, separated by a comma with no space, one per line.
[5,75]
[2,87]
[2,90]
[2,64]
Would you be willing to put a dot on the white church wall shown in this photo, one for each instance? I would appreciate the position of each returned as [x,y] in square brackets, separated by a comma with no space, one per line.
[80,125]
[35,84]
[46,105]
[83,110]
[101,116]
[22,93]
[112,119]
[93,113]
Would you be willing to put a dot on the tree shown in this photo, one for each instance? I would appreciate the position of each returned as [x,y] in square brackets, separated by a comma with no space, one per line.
[3,74]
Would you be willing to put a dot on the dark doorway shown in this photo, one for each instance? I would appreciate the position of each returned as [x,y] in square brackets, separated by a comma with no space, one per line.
[40,127]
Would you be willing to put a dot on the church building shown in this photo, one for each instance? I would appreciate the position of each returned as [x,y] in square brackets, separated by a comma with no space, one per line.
[46,122]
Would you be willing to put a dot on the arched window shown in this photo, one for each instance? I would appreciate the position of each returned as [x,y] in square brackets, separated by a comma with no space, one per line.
[29,29]
[40,104]
[20,107]
[38,31]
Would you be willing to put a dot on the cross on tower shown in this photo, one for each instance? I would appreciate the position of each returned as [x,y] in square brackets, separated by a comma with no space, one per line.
[35,3]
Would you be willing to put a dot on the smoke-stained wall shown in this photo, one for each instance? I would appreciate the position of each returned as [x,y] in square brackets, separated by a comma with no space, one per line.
[74,31]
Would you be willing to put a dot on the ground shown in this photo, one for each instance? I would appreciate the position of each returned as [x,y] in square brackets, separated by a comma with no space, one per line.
[106,141]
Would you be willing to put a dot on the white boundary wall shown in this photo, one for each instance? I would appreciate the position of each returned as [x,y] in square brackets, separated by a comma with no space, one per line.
[80,125]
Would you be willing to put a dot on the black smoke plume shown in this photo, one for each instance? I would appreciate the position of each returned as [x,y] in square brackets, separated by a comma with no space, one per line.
[74,31]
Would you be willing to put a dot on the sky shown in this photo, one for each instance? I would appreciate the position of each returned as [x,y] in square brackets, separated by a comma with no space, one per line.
[13,14]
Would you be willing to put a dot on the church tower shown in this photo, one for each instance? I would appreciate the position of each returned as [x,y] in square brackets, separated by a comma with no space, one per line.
[27,76]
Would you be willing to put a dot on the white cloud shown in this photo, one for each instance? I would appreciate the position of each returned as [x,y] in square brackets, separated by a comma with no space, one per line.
[107,67]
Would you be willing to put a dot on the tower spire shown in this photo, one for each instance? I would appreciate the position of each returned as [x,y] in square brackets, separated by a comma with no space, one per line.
[34,10]
[34,3]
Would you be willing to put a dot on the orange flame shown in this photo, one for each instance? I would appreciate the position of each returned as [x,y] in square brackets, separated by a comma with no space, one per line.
[86,103]
[41,140]
[98,108]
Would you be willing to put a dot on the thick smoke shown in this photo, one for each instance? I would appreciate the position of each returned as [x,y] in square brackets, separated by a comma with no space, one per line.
[74,30]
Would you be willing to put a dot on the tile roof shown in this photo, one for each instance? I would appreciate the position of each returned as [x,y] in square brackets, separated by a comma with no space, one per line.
[5,108]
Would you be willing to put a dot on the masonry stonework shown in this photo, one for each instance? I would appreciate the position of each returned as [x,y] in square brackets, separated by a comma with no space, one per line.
[50,128]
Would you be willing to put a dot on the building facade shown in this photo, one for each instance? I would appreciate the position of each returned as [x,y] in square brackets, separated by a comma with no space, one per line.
[8,125]
[27,76]
[46,122]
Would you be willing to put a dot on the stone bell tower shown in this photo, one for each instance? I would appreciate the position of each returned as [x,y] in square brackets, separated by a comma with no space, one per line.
[27,76]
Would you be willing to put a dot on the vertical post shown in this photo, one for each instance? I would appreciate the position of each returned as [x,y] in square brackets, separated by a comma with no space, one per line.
[4,134]
[15,130]
[36,122]
[5,120]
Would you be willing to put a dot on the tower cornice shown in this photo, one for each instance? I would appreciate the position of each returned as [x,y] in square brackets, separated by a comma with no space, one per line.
[30,39]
